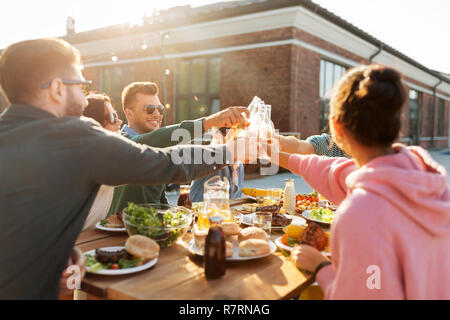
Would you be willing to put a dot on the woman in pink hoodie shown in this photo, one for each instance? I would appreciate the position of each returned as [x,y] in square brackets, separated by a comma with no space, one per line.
[391,235]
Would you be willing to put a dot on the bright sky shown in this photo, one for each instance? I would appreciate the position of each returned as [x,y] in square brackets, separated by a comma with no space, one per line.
[418,28]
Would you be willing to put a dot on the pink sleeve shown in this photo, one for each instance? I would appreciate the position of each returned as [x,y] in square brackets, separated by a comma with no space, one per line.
[326,175]
[365,264]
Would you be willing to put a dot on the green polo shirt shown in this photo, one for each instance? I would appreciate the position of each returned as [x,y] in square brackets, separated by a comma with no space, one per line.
[151,193]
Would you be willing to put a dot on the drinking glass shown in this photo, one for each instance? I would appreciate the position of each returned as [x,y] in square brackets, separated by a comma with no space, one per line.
[263,220]
[236,215]
[275,195]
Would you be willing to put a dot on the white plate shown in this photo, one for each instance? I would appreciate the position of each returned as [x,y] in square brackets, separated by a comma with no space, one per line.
[235,257]
[287,248]
[307,215]
[100,227]
[248,220]
[109,272]
[281,245]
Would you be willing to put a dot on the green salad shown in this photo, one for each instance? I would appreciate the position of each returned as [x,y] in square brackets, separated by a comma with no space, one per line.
[94,266]
[160,225]
[323,214]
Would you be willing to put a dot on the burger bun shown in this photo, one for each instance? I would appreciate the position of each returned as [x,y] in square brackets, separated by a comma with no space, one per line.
[142,247]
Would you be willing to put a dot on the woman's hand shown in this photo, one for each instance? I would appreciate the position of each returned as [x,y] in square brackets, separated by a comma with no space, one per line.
[291,144]
[306,257]
[287,144]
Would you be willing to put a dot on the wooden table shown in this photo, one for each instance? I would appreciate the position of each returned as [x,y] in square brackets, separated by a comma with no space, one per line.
[179,274]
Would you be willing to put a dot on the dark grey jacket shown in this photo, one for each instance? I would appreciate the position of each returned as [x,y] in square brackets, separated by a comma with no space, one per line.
[51,169]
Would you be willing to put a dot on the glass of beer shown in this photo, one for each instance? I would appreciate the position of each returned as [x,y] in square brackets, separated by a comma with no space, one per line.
[263,220]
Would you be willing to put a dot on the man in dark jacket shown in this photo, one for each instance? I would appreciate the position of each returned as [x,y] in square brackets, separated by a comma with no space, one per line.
[53,162]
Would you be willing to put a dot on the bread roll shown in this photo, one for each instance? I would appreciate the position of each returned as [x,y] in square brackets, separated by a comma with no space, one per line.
[229,249]
[142,247]
[252,233]
[200,238]
[230,228]
[253,247]
[232,239]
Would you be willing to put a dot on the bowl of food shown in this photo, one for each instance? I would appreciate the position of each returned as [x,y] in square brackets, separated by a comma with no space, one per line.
[163,223]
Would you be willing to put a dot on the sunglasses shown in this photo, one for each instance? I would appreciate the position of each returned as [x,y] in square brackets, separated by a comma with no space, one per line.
[150,108]
[113,117]
[83,83]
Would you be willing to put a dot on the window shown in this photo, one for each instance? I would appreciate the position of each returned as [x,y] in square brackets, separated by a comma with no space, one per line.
[330,73]
[441,115]
[415,115]
[114,80]
[197,88]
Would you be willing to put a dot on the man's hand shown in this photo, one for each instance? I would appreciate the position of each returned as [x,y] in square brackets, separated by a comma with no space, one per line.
[77,259]
[227,118]
[306,257]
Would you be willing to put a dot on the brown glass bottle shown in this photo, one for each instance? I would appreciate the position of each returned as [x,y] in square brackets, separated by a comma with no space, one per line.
[184,200]
[214,256]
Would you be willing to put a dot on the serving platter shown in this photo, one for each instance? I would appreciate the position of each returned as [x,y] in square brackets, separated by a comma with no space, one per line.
[109,272]
[235,257]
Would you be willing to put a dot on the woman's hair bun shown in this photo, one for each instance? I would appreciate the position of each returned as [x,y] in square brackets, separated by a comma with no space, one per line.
[368,102]
[383,74]
[381,86]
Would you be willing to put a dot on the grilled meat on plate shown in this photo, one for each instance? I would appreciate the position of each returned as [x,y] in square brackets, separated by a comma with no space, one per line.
[314,236]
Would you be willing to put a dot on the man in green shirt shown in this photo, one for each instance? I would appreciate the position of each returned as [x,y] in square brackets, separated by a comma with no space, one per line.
[53,163]
[144,113]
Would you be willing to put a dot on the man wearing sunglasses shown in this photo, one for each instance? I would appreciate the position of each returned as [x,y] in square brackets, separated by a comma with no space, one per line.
[144,112]
[53,163]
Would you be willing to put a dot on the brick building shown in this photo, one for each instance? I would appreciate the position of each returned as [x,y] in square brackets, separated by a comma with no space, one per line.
[288,52]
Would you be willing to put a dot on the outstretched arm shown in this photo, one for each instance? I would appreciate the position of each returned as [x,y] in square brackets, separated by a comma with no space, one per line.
[326,175]
[291,144]
[115,160]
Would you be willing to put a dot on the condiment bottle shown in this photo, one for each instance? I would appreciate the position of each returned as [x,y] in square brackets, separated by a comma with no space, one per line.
[184,199]
[289,197]
[214,255]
